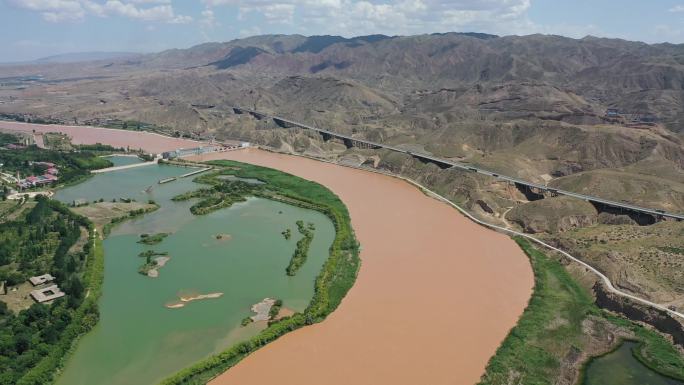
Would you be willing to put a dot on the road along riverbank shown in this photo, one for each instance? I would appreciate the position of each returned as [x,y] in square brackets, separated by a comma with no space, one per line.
[435,296]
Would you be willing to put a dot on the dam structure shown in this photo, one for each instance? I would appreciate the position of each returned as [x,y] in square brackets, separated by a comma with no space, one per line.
[533,191]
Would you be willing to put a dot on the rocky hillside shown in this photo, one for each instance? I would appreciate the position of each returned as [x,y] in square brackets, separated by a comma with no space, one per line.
[552,75]
[531,106]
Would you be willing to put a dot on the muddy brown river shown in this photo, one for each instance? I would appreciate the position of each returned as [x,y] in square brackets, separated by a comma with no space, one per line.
[147,141]
[435,296]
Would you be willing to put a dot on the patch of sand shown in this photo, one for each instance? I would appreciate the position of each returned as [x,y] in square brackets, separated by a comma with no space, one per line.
[262,309]
[161,261]
[223,237]
[419,256]
[185,299]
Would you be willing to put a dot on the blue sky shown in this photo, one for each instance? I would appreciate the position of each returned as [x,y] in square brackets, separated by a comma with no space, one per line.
[36,28]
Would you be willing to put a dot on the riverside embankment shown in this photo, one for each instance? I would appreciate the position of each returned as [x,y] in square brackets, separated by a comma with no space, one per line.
[149,142]
[435,296]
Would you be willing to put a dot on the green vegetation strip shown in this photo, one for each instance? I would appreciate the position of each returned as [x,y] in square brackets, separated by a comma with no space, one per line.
[152,239]
[335,279]
[73,167]
[220,195]
[533,350]
[301,252]
[151,253]
[131,214]
[79,320]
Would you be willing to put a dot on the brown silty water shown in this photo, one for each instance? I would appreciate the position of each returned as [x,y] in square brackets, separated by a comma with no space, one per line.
[435,296]
[150,142]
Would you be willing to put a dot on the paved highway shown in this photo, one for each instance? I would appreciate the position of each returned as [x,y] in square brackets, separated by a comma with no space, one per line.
[466,167]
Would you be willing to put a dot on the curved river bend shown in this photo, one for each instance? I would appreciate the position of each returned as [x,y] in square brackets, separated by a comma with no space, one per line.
[435,296]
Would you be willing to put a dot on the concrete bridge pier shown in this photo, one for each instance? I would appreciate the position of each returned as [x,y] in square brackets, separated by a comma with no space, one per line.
[426,160]
[348,142]
[531,194]
[283,124]
[257,115]
[642,219]
[326,137]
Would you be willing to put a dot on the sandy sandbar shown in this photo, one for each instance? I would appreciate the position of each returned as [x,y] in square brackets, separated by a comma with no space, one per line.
[185,299]
[161,261]
[262,309]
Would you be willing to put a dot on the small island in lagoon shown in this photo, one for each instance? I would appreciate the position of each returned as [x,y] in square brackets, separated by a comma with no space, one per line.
[152,253]
[152,239]
[152,266]
[184,299]
[287,234]
[301,252]
[223,237]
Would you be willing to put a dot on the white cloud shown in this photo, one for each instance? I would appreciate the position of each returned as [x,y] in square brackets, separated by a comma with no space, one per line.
[53,10]
[76,10]
[208,19]
[150,1]
[677,8]
[355,17]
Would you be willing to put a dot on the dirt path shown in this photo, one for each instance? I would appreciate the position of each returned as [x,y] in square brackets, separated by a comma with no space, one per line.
[435,296]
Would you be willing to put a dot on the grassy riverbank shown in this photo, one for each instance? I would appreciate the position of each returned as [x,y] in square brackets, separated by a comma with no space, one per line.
[558,323]
[335,279]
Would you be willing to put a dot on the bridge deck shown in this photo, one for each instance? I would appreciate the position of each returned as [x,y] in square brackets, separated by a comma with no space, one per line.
[466,167]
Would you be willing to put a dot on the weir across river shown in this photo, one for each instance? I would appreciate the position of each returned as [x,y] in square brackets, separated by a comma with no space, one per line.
[533,191]
[125,167]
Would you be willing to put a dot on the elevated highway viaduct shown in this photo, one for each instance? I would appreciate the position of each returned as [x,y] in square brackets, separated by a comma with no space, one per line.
[533,191]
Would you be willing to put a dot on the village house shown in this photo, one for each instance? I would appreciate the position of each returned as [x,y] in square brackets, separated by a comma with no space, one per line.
[41,279]
[47,294]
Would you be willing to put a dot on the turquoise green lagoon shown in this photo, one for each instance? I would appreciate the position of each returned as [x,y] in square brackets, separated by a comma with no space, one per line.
[622,368]
[139,341]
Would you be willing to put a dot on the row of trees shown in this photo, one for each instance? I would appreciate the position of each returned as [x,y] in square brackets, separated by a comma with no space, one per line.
[301,252]
[36,243]
[222,193]
[72,165]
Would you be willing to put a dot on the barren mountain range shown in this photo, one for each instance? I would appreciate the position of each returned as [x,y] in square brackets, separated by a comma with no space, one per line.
[593,115]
